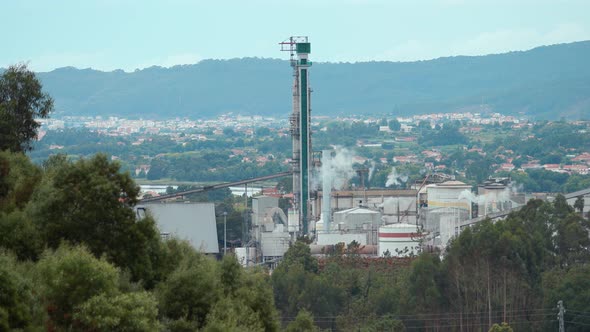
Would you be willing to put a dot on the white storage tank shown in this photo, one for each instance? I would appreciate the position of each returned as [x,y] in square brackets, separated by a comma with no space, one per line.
[399,239]
[355,218]
[448,195]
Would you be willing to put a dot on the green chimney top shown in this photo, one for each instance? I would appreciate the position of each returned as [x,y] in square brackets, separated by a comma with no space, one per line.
[303,48]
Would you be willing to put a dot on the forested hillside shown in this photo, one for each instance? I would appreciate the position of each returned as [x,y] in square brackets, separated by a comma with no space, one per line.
[545,83]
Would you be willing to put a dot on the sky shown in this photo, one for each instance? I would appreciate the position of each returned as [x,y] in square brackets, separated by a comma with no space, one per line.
[135,34]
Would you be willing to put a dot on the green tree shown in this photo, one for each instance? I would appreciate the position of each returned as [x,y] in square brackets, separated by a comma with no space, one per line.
[424,283]
[501,328]
[229,132]
[300,253]
[21,102]
[159,168]
[572,239]
[91,202]
[292,278]
[69,277]
[16,296]
[579,204]
[285,184]
[231,275]
[132,312]
[262,132]
[572,286]
[257,294]
[233,315]
[19,234]
[18,179]
[394,125]
[303,323]
[177,253]
[190,291]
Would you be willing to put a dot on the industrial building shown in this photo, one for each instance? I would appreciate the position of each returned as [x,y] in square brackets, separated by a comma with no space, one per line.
[193,222]
[447,204]
[383,222]
[497,194]
[395,205]
[270,228]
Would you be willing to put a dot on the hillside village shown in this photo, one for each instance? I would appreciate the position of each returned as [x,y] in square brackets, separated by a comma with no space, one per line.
[221,131]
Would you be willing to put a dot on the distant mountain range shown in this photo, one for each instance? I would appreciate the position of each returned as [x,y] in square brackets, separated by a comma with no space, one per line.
[547,82]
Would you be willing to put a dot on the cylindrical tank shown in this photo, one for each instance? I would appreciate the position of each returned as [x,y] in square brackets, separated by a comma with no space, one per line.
[448,194]
[399,240]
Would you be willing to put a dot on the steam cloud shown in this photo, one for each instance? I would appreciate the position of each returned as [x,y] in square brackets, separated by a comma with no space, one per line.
[339,171]
[394,178]
[371,170]
[492,197]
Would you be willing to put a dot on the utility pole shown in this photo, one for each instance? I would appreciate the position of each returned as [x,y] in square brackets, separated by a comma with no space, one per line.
[224,233]
[560,315]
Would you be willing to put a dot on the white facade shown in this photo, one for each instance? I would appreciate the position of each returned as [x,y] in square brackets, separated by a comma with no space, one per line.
[448,195]
[276,243]
[246,255]
[356,218]
[399,240]
[270,226]
[448,205]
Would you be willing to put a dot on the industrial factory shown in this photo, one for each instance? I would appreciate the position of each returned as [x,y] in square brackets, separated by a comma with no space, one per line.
[328,210]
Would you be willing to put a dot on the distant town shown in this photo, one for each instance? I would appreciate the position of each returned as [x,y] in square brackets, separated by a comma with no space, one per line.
[182,131]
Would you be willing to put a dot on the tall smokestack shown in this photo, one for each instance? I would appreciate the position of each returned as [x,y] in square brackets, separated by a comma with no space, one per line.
[300,48]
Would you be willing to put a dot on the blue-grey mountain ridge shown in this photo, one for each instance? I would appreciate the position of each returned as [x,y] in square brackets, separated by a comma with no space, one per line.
[548,82]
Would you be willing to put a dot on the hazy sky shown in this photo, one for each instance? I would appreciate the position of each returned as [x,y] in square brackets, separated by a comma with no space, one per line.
[130,34]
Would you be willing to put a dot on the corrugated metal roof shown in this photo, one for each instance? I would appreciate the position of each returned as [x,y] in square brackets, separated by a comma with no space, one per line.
[578,193]
[194,222]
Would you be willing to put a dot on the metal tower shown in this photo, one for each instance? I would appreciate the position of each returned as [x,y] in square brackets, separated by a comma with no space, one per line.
[299,48]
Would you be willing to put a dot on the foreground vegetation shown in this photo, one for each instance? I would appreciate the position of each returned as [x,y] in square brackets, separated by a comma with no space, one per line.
[74,257]
[514,271]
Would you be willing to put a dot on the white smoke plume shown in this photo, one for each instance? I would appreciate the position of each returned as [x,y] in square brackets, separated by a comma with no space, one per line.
[338,172]
[372,170]
[493,198]
[341,167]
[394,178]
[471,197]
